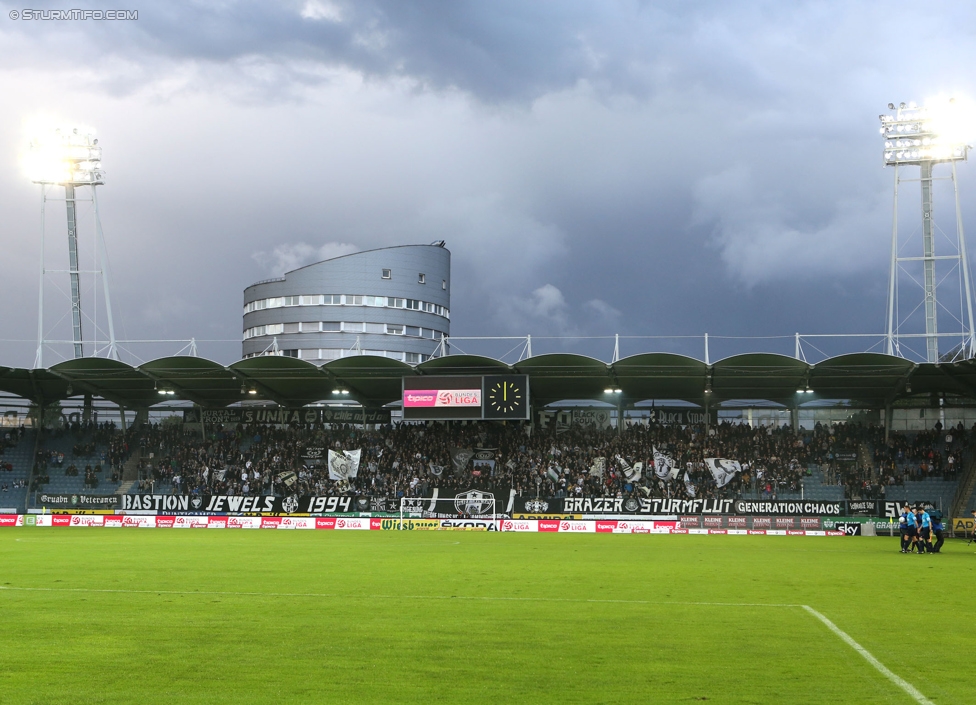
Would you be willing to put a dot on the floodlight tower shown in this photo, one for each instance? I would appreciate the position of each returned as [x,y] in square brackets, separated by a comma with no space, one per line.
[70,157]
[923,137]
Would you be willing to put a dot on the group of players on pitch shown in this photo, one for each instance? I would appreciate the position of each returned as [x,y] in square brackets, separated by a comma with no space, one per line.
[917,528]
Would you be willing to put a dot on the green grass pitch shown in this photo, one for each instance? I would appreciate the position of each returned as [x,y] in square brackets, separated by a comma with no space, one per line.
[194,616]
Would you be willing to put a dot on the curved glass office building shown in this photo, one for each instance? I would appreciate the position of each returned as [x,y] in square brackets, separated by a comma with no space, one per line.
[394,302]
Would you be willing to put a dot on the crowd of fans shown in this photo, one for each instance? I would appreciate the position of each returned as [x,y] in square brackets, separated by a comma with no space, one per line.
[411,459]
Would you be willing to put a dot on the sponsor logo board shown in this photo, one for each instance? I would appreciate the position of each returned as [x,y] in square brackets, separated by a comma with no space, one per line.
[848,528]
[577,526]
[352,523]
[519,525]
[414,398]
[468,524]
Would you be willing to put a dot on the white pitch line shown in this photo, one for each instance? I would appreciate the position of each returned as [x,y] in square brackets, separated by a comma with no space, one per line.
[869,657]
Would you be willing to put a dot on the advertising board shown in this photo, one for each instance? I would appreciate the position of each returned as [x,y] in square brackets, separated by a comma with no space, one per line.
[443,398]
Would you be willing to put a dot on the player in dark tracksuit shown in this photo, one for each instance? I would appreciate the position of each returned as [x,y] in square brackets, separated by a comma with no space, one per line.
[939,530]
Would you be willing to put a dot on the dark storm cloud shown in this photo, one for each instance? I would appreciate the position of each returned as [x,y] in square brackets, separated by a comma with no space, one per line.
[506,50]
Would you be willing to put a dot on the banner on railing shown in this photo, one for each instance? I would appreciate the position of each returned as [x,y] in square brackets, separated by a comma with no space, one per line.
[223,504]
[78,501]
[284,415]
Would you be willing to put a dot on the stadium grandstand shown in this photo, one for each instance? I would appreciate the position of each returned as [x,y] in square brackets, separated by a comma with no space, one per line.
[902,431]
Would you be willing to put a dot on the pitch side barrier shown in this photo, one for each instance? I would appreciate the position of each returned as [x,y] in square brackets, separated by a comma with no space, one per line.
[571,526]
[460,503]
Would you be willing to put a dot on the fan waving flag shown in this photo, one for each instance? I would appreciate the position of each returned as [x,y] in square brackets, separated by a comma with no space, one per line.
[598,467]
[460,457]
[722,470]
[689,486]
[632,473]
[343,464]
[664,465]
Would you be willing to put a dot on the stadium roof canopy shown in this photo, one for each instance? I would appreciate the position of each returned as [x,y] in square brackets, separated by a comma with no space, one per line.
[868,378]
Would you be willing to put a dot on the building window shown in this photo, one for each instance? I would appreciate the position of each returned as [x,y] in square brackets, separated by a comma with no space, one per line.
[444,284]
[387,274]
[413,358]
[331,326]
[291,328]
[393,329]
[422,279]
[352,327]
[290,353]
[376,328]
[354,300]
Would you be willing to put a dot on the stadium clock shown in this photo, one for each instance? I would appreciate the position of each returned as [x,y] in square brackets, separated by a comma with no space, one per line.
[506,397]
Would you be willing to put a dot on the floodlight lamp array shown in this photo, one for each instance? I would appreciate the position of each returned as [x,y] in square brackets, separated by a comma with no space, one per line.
[67,156]
[917,134]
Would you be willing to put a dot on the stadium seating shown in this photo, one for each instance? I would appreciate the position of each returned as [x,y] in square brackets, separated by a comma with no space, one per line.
[19,456]
[825,464]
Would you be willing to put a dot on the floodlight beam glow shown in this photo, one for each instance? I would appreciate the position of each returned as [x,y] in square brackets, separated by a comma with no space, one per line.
[63,155]
[938,131]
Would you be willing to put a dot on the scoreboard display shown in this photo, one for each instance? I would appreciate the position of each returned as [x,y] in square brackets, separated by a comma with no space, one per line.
[490,397]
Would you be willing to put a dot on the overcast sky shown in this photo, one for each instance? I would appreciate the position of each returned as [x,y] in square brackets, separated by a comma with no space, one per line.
[641,168]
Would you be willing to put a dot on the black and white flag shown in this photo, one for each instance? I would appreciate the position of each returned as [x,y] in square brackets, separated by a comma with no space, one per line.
[689,487]
[435,470]
[483,460]
[722,470]
[664,465]
[343,464]
[632,473]
[313,455]
[598,467]
[460,457]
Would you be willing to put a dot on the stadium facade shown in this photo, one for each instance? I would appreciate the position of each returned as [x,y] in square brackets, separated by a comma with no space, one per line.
[392,302]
